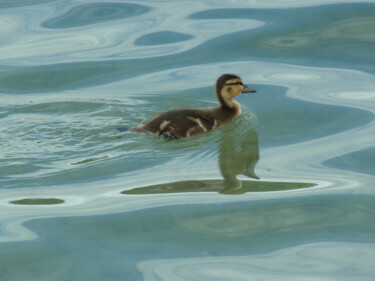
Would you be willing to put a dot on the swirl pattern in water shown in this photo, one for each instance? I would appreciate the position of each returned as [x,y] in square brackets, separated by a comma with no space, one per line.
[96,13]
[289,183]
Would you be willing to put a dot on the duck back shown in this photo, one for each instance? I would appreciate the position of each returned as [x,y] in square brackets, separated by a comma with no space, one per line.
[187,122]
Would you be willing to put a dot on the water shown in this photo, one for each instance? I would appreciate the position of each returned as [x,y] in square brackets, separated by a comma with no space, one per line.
[284,192]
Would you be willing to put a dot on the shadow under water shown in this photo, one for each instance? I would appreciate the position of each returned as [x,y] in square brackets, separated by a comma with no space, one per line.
[234,159]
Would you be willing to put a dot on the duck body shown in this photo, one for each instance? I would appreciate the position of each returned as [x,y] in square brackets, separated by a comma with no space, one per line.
[187,122]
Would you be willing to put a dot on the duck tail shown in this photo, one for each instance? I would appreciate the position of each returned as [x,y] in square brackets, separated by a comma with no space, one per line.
[122,129]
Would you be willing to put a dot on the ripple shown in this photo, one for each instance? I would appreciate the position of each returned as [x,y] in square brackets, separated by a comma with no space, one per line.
[359,161]
[314,261]
[275,218]
[8,24]
[19,3]
[59,77]
[72,72]
[95,13]
[296,76]
[59,107]
[50,143]
[162,37]
[53,132]
[357,28]
[358,95]
[66,132]
[274,4]
[89,160]
[298,41]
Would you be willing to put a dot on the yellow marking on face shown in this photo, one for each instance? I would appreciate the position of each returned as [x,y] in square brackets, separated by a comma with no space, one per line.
[233,90]
[228,92]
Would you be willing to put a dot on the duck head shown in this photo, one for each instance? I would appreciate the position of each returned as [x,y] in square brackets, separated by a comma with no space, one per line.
[228,86]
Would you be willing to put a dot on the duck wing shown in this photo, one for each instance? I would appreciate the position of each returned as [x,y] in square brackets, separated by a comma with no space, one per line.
[180,123]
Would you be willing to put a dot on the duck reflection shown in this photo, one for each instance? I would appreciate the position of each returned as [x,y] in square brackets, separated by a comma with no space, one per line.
[238,159]
[234,158]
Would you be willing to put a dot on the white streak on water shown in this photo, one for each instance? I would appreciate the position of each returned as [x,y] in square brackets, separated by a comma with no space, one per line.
[286,4]
[316,261]
[109,39]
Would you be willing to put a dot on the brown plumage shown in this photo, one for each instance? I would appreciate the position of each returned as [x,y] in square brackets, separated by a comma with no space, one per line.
[187,122]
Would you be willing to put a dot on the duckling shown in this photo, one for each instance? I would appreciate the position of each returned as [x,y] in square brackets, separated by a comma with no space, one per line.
[187,122]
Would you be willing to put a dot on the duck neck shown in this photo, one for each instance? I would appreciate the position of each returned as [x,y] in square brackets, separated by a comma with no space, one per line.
[232,108]
[226,100]
[229,104]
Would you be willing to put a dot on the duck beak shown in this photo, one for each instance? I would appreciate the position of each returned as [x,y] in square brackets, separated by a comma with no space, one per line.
[247,89]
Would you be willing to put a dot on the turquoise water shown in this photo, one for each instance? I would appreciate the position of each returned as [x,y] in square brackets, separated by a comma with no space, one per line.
[284,192]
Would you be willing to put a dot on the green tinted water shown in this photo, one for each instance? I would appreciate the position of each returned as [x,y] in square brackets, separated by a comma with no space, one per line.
[284,192]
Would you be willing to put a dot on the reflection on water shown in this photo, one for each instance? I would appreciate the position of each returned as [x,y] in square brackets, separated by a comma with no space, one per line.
[162,37]
[234,158]
[238,159]
[95,14]
[37,201]
[16,3]
[360,161]
[298,34]
[302,262]
[325,236]
[73,71]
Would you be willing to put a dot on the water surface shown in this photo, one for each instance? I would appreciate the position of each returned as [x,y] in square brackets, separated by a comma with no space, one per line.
[284,192]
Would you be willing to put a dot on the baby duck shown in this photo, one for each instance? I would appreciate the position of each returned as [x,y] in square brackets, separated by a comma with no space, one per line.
[187,122]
